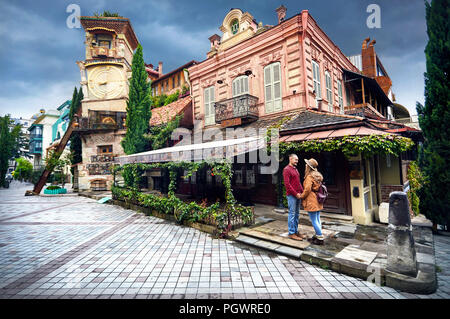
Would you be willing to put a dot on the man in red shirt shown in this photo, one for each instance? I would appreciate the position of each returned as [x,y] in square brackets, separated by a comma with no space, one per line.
[293,190]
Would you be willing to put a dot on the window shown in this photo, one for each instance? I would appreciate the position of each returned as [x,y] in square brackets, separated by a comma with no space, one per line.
[209,105]
[173,82]
[240,85]
[104,149]
[234,26]
[167,85]
[316,79]
[179,79]
[340,99]
[162,88]
[272,87]
[103,40]
[329,91]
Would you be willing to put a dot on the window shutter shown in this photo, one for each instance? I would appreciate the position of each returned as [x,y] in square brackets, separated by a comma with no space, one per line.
[209,106]
[276,87]
[272,85]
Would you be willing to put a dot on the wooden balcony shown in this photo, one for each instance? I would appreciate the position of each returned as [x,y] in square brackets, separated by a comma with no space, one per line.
[101,121]
[102,52]
[239,109]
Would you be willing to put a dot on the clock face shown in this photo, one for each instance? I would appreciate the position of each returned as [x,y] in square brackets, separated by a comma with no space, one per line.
[106,82]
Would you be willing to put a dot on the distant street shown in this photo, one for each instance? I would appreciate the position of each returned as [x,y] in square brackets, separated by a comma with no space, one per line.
[73,247]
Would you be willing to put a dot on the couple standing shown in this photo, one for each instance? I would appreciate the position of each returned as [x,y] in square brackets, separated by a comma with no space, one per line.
[308,193]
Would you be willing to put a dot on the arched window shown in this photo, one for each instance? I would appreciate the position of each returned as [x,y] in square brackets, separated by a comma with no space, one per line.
[272,87]
[234,26]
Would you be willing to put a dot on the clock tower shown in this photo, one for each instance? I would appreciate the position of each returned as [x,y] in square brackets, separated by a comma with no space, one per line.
[109,44]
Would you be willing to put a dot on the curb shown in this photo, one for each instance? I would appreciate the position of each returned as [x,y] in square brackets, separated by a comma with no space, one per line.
[424,283]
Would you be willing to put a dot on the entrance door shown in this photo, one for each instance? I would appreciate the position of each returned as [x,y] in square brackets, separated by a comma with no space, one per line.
[334,169]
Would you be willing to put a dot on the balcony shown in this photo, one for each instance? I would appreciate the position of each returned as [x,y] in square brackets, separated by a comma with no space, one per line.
[101,121]
[35,149]
[242,108]
[102,52]
[34,136]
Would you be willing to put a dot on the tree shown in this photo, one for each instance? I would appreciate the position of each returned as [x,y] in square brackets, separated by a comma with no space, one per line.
[75,140]
[434,117]
[24,169]
[138,107]
[9,144]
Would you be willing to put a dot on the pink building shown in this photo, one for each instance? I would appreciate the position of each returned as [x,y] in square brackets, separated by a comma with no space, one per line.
[290,75]
[287,67]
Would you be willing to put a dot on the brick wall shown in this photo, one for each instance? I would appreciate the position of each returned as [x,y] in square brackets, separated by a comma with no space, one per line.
[387,189]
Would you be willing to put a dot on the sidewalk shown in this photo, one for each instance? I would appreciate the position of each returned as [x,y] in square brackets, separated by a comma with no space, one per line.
[355,250]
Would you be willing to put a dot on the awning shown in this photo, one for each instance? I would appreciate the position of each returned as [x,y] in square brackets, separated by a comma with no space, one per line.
[353,131]
[196,152]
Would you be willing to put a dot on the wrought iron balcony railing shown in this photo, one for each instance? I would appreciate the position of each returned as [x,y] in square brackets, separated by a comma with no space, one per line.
[243,106]
[102,120]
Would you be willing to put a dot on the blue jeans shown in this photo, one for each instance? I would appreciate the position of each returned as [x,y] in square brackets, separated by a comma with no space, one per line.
[315,220]
[294,211]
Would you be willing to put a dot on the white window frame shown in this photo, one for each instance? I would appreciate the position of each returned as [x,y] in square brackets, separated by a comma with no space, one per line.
[240,86]
[329,88]
[208,103]
[316,80]
[340,97]
[273,102]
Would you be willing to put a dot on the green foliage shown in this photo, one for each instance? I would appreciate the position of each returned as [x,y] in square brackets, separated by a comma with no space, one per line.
[106,14]
[9,144]
[434,117]
[24,170]
[352,145]
[160,135]
[184,89]
[75,139]
[54,162]
[173,205]
[163,99]
[53,187]
[36,175]
[414,176]
[138,107]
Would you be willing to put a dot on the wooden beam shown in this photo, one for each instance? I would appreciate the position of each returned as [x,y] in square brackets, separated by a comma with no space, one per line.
[363,94]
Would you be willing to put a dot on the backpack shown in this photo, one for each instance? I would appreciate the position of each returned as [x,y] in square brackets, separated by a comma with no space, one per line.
[322,193]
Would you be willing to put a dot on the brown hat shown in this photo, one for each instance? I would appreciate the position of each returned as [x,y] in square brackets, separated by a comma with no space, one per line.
[312,163]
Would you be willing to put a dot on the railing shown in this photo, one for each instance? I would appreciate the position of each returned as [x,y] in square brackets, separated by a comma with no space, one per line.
[102,51]
[35,136]
[102,120]
[242,106]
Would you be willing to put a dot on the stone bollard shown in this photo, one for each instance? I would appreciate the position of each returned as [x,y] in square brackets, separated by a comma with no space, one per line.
[401,251]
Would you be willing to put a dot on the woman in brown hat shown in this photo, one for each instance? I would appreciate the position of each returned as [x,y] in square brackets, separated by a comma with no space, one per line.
[311,185]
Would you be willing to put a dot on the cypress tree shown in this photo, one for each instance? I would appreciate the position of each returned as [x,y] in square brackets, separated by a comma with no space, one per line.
[75,140]
[138,107]
[434,117]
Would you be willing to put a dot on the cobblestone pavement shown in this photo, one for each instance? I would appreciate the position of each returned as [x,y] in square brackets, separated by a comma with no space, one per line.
[73,247]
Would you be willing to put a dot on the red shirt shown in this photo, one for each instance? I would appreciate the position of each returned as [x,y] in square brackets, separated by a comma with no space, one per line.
[292,181]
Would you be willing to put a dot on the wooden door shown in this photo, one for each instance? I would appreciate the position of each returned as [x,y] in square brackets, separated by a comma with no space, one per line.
[334,168]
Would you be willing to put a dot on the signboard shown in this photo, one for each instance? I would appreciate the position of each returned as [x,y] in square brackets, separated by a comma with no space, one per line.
[231,122]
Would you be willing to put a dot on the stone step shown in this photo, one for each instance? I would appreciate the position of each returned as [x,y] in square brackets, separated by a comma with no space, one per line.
[323,215]
[271,246]
[276,239]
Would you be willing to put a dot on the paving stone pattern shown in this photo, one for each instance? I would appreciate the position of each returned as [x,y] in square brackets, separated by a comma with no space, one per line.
[73,247]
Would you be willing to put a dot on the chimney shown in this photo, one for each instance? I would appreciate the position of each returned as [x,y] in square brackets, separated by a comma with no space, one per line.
[369,58]
[319,105]
[215,40]
[281,12]
[160,71]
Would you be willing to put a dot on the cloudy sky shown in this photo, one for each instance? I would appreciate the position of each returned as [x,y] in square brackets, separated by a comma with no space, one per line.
[38,51]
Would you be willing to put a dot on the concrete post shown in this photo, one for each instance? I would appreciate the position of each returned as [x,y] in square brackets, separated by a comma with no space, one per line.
[401,251]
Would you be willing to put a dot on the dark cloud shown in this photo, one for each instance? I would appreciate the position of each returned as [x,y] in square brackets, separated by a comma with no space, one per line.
[39,52]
